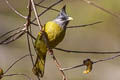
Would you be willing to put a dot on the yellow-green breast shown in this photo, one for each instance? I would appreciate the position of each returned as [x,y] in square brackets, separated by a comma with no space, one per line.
[55,33]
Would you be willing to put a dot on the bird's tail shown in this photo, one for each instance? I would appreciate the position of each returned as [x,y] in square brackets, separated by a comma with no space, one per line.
[39,66]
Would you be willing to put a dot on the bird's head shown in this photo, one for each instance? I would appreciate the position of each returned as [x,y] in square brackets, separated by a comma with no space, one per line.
[63,19]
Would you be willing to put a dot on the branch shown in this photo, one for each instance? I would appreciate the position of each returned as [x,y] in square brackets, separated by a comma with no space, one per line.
[14,10]
[101,8]
[48,9]
[57,63]
[29,48]
[13,37]
[41,1]
[94,62]
[29,33]
[17,75]
[87,52]
[10,31]
[36,15]
[16,62]
[106,59]
[85,25]
[28,26]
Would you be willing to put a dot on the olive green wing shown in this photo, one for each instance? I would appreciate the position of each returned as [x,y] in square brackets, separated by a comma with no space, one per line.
[41,50]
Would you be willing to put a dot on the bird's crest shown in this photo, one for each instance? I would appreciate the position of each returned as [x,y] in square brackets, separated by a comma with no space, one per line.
[63,11]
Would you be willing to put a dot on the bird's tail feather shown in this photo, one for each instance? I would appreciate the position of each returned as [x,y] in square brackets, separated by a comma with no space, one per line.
[39,66]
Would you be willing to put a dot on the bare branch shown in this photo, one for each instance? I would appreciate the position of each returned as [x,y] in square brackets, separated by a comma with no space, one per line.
[28,28]
[10,31]
[27,25]
[36,14]
[14,10]
[41,1]
[15,63]
[57,63]
[94,62]
[29,48]
[87,52]
[48,9]
[17,75]
[101,8]
[106,59]
[85,25]
[13,37]
[31,35]
[33,23]
[73,67]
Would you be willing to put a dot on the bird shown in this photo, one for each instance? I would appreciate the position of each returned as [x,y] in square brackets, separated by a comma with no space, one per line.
[54,31]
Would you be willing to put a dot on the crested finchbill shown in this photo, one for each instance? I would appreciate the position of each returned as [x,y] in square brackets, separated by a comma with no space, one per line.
[55,31]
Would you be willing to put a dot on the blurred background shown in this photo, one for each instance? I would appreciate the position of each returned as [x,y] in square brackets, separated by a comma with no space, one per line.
[100,37]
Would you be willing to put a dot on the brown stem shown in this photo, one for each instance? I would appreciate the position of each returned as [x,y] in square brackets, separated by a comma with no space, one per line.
[57,64]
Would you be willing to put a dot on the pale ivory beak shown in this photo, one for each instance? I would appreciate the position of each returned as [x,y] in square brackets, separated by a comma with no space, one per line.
[70,18]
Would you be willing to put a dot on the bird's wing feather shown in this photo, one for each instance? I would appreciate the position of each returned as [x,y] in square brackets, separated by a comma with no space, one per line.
[41,50]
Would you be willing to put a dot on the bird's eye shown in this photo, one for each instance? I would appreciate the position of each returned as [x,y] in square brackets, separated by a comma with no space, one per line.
[63,18]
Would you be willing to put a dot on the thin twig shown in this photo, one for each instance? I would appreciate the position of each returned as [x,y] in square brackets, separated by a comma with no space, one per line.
[48,9]
[27,25]
[85,25]
[70,27]
[36,14]
[14,10]
[73,67]
[30,52]
[32,38]
[94,62]
[106,59]
[57,64]
[17,75]
[38,20]
[87,52]
[101,8]
[13,37]
[15,62]
[41,1]
[10,31]
[33,23]
[29,48]
[31,35]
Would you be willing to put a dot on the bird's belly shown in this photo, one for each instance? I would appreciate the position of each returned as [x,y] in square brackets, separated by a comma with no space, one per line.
[55,39]
[55,34]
